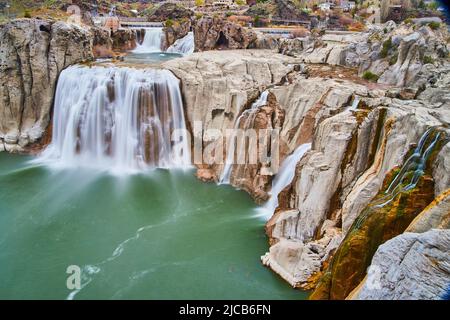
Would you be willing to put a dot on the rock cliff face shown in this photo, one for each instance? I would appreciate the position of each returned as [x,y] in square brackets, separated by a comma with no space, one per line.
[176,30]
[415,264]
[245,75]
[379,158]
[32,54]
[216,33]
[410,266]
[361,134]
[397,55]
[170,11]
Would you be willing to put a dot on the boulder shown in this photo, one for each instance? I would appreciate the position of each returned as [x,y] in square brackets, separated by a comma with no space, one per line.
[411,266]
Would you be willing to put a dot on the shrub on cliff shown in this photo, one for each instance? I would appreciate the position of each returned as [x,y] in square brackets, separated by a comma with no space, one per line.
[370,76]
[387,45]
[27,14]
[427,60]
[168,23]
[434,25]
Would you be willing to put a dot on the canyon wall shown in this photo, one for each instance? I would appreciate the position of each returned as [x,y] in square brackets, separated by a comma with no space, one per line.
[389,54]
[362,135]
[379,158]
[32,54]
[413,265]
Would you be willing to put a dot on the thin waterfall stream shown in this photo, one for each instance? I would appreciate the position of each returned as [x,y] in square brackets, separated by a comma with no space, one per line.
[232,140]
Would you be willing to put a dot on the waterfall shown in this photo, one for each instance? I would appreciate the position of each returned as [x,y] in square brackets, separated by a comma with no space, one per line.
[184,45]
[261,101]
[152,41]
[284,177]
[354,104]
[407,178]
[118,118]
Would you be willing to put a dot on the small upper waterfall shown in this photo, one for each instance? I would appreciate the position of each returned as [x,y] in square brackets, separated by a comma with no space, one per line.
[261,101]
[184,45]
[118,118]
[284,177]
[354,104]
[407,177]
[152,41]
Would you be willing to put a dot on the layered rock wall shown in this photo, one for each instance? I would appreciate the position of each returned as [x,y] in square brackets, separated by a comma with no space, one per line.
[32,54]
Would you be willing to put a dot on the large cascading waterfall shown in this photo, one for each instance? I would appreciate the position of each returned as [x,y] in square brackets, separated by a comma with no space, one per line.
[152,42]
[250,113]
[284,177]
[118,118]
[184,45]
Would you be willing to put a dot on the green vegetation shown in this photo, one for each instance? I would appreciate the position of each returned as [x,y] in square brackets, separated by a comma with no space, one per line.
[169,23]
[427,60]
[387,45]
[370,76]
[27,13]
[240,2]
[199,3]
[433,6]
[434,25]
[393,59]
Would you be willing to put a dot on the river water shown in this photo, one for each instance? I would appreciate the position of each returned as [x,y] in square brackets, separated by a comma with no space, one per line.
[160,234]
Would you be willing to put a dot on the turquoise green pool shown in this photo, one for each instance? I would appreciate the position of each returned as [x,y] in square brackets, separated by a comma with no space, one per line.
[157,235]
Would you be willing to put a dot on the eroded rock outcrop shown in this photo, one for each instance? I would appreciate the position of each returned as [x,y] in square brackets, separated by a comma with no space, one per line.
[361,135]
[32,54]
[245,74]
[411,266]
[394,55]
[176,30]
[353,152]
[415,264]
[216,33]
[170,11]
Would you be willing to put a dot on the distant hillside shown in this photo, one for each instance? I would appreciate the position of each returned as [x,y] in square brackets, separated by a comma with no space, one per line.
[19,8]
[281,9]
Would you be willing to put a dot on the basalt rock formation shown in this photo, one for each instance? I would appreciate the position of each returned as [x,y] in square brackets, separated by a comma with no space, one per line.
[216,33]
[245,74]
[378,156]
[395,55]
[124,40]
[170,11]
[176,30]
[410,266]
[32,54]
[361,135]
[286,9]
[415,264]
[105,45]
